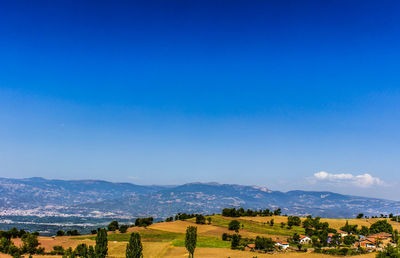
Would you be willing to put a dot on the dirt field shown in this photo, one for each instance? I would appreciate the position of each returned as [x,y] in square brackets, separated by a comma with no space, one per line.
[48,242]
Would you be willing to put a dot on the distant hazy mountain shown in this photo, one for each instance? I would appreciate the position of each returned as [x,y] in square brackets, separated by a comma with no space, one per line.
[38,196]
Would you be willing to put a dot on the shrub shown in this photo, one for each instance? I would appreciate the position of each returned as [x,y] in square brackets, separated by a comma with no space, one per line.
[234,225]
[113,226]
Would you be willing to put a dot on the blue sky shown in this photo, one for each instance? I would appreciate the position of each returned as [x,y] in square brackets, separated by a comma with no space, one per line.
[167,92]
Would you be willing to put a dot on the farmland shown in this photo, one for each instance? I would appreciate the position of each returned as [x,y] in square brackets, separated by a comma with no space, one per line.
[167,239]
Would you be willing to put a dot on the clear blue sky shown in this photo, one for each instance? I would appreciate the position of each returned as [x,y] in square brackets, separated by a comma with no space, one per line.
[169,92]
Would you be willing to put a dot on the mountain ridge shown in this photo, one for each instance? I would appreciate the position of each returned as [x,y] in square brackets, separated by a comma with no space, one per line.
[99,198]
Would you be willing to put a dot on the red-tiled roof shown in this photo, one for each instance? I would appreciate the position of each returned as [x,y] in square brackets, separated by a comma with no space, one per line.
[281,242]
[303,236]
[381,235]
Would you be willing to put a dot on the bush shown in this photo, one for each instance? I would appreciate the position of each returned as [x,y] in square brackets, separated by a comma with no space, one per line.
[235,241]
[60,233]
[30,243]
[144,222]
[113,226]
[381,226]
[123,228]
[226,237]
[264,243]
[73,233]
[234,225]
[200,219]
[57,250]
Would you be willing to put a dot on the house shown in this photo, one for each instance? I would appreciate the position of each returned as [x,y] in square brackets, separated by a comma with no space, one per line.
[367,243]
[342,233]
[281,244]
[250,247]
[304,239]
[383,237]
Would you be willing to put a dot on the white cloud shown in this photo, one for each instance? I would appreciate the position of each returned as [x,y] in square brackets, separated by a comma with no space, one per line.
[365,180]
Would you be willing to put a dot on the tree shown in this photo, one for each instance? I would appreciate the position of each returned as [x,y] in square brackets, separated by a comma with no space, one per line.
[277,212]
[389,251]
[60,233]
[349,240]
[294,221]
[30,243]
[200,219]
[123,228]
[264,243]
[271,223]
[234,225]
[134,248]
[113,225]
[58,250]
[296,238]
[191,240]
[364,231]
[82,250]
[235,241]
[4,244]
[349,228]
[14,232]
[396,237]
[226,237]
[101,247]
[91,253]
[144,222]
[381,226]
[73,233]
[209,220]
[360,215]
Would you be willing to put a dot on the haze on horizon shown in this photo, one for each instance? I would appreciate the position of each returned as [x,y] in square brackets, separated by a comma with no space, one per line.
[282,94]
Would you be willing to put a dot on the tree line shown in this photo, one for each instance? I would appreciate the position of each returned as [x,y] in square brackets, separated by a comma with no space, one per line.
[233,212]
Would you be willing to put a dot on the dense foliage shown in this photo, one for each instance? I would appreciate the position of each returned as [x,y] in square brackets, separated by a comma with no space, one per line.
[144,222]
[134,248]
[234,225]
[264,243]
[191,240]
[113,226]
[381,226]
[101,247]
[233,212]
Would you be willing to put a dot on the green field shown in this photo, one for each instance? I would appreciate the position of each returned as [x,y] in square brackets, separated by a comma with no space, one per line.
[205,241]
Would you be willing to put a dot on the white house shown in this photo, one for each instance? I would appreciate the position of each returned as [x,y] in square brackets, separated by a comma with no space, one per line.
[342,233]
[304,239]
[281,244]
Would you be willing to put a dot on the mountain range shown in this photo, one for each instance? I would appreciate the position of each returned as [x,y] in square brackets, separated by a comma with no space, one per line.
[95,198]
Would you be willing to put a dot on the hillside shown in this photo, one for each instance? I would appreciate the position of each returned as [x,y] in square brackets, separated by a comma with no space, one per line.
[166,239]
[92,198]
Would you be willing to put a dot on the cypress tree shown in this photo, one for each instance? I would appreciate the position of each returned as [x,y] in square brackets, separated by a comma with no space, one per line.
[101,243]
[191,240]
[134,248]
